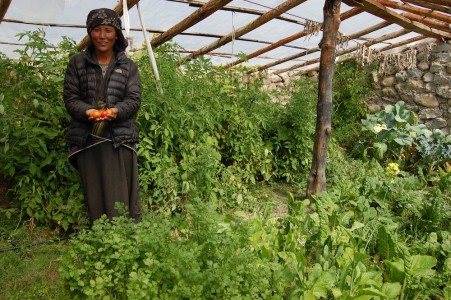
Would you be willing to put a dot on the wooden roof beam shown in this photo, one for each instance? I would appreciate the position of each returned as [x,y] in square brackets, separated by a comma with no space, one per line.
[118,8]
[349,50]
[427,21]
[441,2]
[350,13]
[202,34]
[416,10]
[313,50]
[4,5]
[206,10]
[428,4]
[285,6]
[377,9]
[393,46]
[238,9]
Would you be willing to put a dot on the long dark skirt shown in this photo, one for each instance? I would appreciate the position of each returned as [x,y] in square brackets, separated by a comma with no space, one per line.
[108,176]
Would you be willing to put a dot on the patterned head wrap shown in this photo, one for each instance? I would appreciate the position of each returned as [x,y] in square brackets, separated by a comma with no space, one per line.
[106,16]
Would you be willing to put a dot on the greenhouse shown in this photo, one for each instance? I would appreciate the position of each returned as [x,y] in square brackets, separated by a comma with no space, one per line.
[225,149]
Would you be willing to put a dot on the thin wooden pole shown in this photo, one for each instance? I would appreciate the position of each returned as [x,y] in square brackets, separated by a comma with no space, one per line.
[427,21]
[389,47]
[316,182]
[427,4]
[4,5]
[441,2]
[285,6]
[243,10]
[348,50]
[150,51]
[416,10]
[377,9]
[151,31]
[309,51]
[206,10]
[346,15]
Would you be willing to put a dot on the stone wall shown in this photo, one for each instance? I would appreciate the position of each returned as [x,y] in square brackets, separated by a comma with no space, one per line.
[425,88]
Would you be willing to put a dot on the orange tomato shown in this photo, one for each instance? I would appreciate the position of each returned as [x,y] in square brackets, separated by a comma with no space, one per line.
[95,114]
[103,114]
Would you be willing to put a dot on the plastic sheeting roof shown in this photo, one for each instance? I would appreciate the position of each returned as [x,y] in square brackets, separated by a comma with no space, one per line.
[67,18]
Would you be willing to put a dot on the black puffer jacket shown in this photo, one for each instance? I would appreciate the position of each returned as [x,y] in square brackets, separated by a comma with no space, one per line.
[81,92]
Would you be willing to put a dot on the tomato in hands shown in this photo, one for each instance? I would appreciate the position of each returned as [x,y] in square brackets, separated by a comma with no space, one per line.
[102,115]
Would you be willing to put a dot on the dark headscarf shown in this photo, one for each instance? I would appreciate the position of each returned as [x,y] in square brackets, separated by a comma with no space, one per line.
[106,16]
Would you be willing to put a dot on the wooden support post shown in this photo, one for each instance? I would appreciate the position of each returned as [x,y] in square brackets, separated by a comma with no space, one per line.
[316,182]
[4,5]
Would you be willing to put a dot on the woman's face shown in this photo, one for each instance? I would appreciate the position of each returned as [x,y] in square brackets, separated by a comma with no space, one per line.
[103,37]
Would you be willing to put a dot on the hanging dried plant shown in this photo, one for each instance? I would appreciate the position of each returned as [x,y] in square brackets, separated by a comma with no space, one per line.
[312,28]
[342,41]
[366,56]
[401,61]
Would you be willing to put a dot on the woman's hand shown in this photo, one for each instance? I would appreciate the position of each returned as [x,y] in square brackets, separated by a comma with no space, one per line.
[111,114]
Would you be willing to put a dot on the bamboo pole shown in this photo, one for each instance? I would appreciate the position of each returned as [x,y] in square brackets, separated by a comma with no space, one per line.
[416,10]
[353,36]
[316,182]
[4,5]
[289,4]
[149,50]
[118,8]
[379,10]
[344,16]
[200,14]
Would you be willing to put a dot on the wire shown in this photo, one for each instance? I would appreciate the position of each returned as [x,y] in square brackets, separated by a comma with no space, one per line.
[34,244]
[268,7]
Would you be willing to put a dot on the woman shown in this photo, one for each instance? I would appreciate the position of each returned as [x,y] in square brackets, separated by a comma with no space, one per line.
[102,94]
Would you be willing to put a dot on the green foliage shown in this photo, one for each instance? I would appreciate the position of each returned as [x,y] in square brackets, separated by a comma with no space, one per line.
[351,84]
[292,139]
[211,135]
[394,134]
[373,237]
[29,272]
[197,254]
[32,133]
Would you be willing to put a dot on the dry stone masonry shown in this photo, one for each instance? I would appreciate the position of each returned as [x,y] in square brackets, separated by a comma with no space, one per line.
[424,88]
